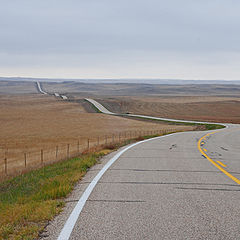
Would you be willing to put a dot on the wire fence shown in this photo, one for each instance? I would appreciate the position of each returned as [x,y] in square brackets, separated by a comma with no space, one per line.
[14,161]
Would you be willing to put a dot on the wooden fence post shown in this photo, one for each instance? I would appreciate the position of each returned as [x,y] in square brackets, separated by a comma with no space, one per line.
[68,146]
[56,152]
[78,147]
[41,156]
[5,161]
[88,144]
[98,141]
[25,160]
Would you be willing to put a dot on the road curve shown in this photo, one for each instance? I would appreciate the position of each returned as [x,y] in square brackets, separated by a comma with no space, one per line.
[180,186]
[102,109]
[165,188]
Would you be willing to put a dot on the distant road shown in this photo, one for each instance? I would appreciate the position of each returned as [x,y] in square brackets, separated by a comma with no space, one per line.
[55,94]
[102,109]
[40,88]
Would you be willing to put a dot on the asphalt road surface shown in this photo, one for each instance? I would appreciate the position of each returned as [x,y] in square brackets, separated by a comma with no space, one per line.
[167,189]
[179,186]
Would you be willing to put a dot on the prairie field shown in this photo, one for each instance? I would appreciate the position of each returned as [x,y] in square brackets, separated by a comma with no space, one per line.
[203,108]
[38,129]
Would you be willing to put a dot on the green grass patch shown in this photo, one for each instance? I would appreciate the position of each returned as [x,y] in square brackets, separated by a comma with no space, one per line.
[206,126]
[28,201]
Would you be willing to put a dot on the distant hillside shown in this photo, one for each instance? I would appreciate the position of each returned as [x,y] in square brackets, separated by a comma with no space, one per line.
[146,81]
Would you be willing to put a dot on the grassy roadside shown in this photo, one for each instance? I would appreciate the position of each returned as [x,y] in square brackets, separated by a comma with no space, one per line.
[205,126]
[29,201]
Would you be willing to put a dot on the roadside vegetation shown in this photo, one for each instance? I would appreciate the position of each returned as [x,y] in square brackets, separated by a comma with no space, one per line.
[29,201]
[199,126]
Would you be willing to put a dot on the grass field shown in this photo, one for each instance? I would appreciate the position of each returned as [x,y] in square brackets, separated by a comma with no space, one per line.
[16,87]
[200,108]
[32,123]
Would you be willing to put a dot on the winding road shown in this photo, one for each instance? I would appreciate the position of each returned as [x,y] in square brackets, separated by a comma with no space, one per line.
[178,186]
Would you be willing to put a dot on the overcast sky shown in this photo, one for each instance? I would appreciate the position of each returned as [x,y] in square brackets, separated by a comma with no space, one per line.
[181,39]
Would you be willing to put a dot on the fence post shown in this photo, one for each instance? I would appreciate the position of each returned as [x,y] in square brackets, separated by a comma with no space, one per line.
[78,146]
[41,156]
[5,161]
[56,152]
[68,150]
[98,141]
[25,159]
[88,144]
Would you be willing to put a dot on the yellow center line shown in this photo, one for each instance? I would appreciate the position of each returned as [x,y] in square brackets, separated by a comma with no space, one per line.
[213,162]
[205,150]
[222,164]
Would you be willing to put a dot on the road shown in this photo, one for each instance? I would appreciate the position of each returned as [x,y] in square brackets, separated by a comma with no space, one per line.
[179,186]
[102,109]
[39,88]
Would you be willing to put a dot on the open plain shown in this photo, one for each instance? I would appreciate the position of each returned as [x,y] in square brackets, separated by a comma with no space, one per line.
[203,102]
[34,123]
[224,109]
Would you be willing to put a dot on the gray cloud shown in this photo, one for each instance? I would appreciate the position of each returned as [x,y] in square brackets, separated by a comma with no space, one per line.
[117,37]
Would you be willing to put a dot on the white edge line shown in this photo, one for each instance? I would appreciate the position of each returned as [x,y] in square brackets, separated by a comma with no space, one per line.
[72,219]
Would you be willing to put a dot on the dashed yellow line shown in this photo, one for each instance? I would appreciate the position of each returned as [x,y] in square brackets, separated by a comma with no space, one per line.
[222,164]
[204,149]
[213,162]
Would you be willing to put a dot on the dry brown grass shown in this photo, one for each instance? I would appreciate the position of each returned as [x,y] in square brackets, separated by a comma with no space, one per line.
[203,108]
[33,122]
